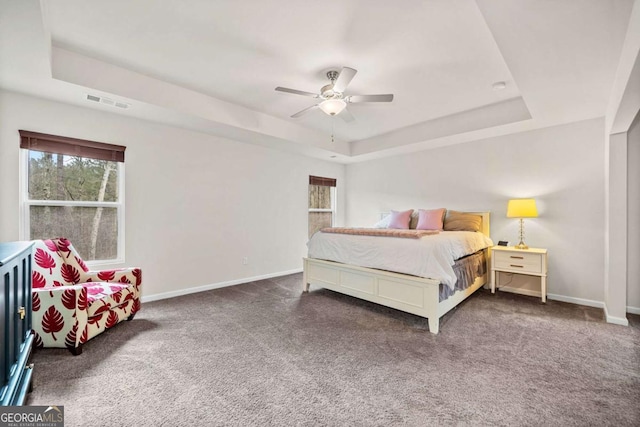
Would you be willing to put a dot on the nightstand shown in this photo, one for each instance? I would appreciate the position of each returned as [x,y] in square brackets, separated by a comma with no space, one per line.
[531,262]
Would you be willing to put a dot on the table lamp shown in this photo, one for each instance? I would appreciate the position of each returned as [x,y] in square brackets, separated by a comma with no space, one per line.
[522,208]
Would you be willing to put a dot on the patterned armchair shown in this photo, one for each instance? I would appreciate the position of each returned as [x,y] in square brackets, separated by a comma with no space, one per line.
[71,304]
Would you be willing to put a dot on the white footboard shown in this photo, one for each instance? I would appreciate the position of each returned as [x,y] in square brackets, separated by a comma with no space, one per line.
[411,294]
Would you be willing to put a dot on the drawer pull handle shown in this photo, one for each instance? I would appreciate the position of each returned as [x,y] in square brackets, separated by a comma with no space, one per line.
[519,266]
[517,257]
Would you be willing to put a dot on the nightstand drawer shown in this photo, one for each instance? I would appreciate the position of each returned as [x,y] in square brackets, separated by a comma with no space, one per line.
[526,262]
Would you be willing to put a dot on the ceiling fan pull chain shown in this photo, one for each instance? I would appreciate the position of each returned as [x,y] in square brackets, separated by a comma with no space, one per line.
[333,118]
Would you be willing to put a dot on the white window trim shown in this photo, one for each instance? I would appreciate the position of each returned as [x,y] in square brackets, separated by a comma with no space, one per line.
[26,203]
[334,205]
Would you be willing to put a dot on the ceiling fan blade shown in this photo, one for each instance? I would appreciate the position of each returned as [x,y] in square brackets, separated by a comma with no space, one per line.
[297,92]
[305,111]
[344,78]
[346,116]
[370,98]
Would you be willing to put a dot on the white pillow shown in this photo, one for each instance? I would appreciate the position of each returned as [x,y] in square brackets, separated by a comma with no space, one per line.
[384,222]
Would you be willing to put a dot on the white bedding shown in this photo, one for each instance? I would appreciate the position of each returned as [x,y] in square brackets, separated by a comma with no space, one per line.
[430,256]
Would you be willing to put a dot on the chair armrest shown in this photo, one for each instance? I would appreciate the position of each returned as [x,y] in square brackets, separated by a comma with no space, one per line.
[59,315]
[70,297]
[122,275]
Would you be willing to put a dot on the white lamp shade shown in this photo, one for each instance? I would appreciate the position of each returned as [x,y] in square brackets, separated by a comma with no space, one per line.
[333,106]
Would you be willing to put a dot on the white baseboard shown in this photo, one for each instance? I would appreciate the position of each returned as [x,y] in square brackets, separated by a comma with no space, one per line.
[573,300]
[615,320]
[187,291]
[579,301]
[633,310]
[555,297]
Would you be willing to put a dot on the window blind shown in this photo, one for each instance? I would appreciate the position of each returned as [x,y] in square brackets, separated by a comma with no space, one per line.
[317,180]
[71,146]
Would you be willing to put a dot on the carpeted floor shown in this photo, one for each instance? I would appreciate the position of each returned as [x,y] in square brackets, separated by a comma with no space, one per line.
[262,353]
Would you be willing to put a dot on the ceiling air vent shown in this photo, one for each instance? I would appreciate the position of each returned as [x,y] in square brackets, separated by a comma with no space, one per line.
[107,101]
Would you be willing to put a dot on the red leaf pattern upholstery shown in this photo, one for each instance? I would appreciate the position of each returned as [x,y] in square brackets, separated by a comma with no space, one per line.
[127,297]
[44,260]
[38,340]
[64,246]
[52,321]
[136,306]
[85,335]
[137,273]
[70,274]
[70,340]
[117,296]
[68,298]
[95,320]
[81,263]
[106,275]
[37,280]
[101,308]
[83,303]
[35,301]
[51,245]
[112,319]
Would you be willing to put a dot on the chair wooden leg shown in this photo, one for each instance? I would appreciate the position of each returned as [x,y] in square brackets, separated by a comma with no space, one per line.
[76,351]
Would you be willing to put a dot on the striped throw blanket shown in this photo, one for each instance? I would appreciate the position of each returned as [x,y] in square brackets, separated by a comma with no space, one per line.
[385,232]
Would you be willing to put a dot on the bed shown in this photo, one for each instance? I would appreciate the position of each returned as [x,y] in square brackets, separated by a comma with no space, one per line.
[406,290]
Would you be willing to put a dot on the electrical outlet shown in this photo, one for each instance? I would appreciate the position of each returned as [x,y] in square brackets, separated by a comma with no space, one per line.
[245,261]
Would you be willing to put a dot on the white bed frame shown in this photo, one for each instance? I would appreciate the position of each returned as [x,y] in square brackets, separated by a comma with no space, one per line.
[412,294]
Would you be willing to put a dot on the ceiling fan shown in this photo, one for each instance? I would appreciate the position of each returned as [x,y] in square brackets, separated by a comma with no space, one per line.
[334,101]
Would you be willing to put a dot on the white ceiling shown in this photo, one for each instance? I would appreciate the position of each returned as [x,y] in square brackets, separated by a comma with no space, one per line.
[213,66]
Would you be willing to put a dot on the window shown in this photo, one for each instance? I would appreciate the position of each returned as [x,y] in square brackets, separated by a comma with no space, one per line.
[322,203]
[74,188]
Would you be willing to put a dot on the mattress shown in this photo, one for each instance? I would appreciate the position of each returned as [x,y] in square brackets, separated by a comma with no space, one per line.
[432,256]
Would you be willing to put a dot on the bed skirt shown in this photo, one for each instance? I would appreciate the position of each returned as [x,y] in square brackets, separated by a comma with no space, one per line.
[467,270]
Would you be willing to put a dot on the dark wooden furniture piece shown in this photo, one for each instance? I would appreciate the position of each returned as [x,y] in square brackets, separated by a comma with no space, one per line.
[16,335]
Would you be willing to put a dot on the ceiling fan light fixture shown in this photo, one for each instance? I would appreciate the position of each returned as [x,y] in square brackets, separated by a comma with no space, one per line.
[332,106]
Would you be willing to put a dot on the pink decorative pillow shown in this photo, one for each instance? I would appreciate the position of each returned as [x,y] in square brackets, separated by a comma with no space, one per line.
[430,219]
[400,219]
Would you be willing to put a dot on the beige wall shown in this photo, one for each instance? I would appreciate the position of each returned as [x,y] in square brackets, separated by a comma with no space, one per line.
[633,217]
[562,167]
[195,204]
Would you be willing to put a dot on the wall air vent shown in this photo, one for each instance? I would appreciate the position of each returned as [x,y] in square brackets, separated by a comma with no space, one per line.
[107,101]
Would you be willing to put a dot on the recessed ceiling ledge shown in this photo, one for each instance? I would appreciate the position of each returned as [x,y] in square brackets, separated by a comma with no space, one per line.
[509,111]
[82,70]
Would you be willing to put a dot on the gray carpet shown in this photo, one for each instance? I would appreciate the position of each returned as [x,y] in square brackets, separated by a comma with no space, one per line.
[262,353]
